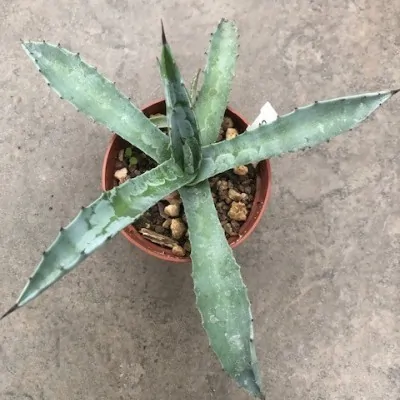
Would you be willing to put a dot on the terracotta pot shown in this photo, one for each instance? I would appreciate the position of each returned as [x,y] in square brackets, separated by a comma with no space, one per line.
[263,188]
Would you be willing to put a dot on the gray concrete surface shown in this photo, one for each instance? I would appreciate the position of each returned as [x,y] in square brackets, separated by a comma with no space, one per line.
[322,267]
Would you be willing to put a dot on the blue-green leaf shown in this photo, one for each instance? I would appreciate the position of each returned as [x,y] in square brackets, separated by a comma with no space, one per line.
[99,222]
[91,93]
[184,132]
[301,129]
[218,76]
[221,295]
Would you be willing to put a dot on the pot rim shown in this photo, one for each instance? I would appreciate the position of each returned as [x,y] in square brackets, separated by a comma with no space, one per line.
[261,197]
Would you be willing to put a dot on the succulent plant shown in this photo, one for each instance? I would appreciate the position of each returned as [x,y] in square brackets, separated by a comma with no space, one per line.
[187,156]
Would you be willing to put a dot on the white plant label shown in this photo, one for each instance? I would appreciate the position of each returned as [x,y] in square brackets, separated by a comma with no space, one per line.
[266,116]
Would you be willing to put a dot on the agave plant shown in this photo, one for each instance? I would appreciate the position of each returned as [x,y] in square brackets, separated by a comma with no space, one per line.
[186,158]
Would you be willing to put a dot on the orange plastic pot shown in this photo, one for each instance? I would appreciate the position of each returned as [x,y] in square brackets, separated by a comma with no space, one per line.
[261,198]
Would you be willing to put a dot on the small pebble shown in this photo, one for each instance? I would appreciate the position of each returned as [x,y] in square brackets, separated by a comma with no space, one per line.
[238,211]
[228,229]
[223,195]
[235,225]
[234,195]
[178,228]
[231,133]
[121,175]
[167,223]
[240,170]
[172,210]
[244,197]
[219,206]
[178,251]
[222,184]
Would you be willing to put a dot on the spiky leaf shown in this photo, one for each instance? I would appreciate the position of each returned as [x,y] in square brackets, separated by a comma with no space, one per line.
[303,128]
[184,133]
[218,75]
[91,93]
[100,221]
[221,295]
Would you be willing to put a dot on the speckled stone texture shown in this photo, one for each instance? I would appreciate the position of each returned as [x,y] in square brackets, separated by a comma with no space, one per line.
[322,267]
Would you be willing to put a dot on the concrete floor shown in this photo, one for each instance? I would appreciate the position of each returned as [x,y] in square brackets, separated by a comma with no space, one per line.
[322,268]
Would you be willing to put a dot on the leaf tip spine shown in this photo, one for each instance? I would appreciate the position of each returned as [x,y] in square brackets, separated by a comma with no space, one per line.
[8,312]
[163,37]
